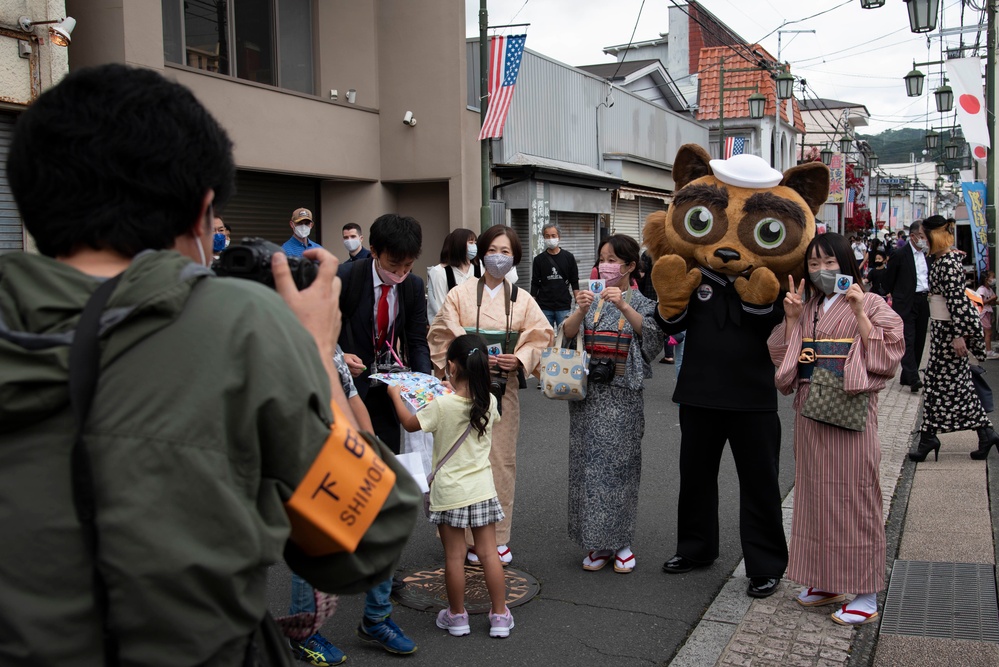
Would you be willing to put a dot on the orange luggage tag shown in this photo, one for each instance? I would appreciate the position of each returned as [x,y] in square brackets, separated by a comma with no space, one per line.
[341,494]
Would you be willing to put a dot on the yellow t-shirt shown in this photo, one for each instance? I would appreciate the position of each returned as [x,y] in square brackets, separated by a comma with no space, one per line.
[467,477]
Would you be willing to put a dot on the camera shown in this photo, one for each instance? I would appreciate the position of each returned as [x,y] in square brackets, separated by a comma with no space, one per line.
[602,370]
[497,387]
[387,368]
[251,259]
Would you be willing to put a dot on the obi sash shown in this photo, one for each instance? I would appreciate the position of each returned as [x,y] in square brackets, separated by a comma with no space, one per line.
[829,354]
[496,337]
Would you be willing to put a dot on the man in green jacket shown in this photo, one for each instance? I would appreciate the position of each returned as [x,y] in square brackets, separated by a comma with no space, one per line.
[211,403]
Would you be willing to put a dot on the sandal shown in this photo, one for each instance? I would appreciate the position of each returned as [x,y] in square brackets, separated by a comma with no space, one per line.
[596,560]
[865,618]
[472,558]
[626,564]
[818,598]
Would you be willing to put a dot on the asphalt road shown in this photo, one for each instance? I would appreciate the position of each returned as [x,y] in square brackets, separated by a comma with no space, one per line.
[578,617]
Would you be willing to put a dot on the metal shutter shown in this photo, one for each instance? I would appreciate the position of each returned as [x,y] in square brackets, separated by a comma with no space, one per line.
[11,231]
[647,206]
[627,218]
[579,236]
[262,205]
[520,222]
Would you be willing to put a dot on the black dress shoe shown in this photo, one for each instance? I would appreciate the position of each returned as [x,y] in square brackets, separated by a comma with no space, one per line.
[678,565]
[916,386]
[762,587]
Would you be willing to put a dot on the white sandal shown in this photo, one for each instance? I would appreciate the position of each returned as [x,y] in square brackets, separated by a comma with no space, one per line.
[596,560]
[624,560]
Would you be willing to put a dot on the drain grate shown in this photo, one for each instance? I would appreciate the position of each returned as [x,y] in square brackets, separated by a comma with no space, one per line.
[945,600]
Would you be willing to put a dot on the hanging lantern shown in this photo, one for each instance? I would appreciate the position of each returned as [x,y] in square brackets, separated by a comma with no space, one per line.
[845,144]
[944,96]
[932,140]
[951,150]
[955,175]
[785,84]
[826,155]
[872,4]
[941,168]
[757,103]
[914,83]
[873,160]
[923,15]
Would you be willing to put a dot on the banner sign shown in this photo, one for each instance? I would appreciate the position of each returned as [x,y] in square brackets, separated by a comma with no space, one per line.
[974,197]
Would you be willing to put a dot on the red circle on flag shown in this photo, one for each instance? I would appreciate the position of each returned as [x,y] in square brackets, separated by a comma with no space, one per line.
[970,104]
[980,152]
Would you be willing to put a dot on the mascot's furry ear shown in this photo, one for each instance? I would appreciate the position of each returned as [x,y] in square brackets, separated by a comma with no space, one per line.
[691,163]
[811,181]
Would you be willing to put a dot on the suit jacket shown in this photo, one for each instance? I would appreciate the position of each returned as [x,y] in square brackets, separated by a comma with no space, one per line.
[900,280]
[357,301]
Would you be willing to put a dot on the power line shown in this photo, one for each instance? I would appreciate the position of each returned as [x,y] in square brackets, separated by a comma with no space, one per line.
[630,41]
[826,11]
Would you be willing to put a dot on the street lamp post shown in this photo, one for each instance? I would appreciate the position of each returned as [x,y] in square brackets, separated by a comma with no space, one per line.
[757,102]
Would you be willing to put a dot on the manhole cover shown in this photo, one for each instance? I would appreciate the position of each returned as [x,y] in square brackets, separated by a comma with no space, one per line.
[425,589]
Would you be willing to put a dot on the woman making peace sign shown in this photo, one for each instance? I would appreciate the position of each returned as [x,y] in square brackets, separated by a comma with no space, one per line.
[837,531]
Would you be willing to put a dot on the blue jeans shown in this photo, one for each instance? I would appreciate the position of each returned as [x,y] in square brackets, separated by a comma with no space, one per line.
[377,601]
[555,317]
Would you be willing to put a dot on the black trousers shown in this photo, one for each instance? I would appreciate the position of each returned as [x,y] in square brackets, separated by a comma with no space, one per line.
[383,417]
[915,323]
[755,441]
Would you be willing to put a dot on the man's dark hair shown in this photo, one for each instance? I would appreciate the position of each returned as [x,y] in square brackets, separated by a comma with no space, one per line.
[353,225]
[832,245]
[454,252]
[398,236]
[916,226]
[227,226]
[117,158]
[488,236]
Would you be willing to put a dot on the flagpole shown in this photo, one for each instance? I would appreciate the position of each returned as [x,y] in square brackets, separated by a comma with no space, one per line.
[485,214]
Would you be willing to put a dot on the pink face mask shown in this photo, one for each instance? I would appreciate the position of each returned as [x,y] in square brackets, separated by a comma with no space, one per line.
[609,271]
[390,278]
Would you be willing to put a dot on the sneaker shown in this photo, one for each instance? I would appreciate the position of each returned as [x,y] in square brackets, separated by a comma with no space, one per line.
[317,650]
[456,624]
[387,634]
[500,625]
[992,354]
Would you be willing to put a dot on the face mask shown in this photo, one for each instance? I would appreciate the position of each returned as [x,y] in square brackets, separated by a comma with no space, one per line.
[302,231]
[390,278]
[351,244]
[824,280]
[609,271]
[201,251]
[992,282]
[472,252]
[218,242]
[551,244]
[498,265]
[921,244]
[227,243]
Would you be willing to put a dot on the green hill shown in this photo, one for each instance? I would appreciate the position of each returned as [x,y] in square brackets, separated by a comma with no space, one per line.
[894,146]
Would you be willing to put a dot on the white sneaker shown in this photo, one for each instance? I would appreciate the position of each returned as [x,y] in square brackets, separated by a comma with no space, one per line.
[992,354]
[500,625]
[455,624]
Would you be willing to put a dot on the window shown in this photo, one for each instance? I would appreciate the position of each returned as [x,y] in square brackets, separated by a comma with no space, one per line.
[266,41]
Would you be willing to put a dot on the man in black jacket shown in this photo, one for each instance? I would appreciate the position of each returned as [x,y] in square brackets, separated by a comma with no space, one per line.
[554,277]
[907,280]
[385,316]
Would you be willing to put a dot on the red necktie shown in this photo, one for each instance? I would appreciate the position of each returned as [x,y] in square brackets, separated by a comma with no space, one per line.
[383,315]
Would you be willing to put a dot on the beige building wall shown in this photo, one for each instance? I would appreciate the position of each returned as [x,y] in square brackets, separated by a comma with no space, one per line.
[398,56]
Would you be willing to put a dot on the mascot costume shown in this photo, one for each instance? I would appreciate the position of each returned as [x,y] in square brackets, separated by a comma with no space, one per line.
[735,229]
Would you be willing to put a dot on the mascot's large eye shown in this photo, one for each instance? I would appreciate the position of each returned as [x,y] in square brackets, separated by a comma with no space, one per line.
[698,221]
[769,233]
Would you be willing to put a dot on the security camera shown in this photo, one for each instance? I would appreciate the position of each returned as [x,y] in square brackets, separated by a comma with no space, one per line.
[408,119]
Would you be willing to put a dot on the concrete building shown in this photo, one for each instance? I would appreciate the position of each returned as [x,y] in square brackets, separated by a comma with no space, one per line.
[29,63]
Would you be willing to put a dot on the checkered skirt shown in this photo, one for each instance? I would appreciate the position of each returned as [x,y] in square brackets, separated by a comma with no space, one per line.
[470,516]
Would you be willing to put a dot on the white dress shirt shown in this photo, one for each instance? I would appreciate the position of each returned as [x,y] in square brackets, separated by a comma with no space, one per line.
[922,272]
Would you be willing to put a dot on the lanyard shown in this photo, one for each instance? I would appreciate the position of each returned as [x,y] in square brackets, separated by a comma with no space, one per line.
[620,322]
[509,316]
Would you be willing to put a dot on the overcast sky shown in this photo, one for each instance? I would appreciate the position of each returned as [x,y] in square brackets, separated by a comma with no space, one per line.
[856,55]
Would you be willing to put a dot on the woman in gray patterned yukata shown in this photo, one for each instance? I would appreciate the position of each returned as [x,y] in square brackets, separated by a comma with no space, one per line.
[606,428]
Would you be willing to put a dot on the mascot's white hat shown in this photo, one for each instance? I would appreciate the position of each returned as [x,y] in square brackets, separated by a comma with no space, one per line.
[746,171]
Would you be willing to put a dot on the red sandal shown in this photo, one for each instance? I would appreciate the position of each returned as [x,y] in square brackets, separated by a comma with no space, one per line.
[822,598]
[865,617]
[596,560]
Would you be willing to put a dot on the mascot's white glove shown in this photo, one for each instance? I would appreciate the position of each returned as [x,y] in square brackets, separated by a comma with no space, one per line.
[674,284]
[761,289]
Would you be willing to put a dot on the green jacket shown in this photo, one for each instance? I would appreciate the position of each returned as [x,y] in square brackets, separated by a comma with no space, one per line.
[210,406]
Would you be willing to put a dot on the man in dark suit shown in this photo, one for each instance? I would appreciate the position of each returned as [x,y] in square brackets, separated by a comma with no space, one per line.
[907,279]
[384,310]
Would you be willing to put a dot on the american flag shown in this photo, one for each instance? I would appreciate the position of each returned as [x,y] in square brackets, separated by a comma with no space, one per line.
[894,215]
[882,209]
[505,54]
[734,146]
[850,197]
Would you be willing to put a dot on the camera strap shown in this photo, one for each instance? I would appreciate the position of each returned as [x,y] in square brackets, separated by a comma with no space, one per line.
[620,323]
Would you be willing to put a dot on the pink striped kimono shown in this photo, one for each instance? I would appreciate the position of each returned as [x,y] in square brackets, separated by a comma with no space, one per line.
[837,531]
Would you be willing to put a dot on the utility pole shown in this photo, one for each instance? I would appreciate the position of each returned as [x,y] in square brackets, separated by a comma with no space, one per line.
[990,118]
[777,101]
[485,214]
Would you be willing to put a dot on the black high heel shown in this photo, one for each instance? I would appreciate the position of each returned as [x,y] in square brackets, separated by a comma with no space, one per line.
[986,438]
[928,442]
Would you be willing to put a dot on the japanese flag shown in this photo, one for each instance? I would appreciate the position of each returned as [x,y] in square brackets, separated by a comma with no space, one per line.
[965,75]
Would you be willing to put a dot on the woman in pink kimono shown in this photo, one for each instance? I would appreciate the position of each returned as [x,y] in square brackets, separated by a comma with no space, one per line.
[517,332]
[837,532]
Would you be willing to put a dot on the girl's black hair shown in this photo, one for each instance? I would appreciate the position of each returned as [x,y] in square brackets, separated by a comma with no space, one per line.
[834,245]
[455,249]
[471,360]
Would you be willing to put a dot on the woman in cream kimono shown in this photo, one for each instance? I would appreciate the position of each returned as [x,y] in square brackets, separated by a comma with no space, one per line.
[514,326]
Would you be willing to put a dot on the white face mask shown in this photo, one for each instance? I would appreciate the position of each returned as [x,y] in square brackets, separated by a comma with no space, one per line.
[472,251]
[227,243]
[201,252]
[551,244]
[351,244]
[302,231]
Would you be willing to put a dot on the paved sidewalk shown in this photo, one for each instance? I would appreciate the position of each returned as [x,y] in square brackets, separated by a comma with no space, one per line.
[737,630]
